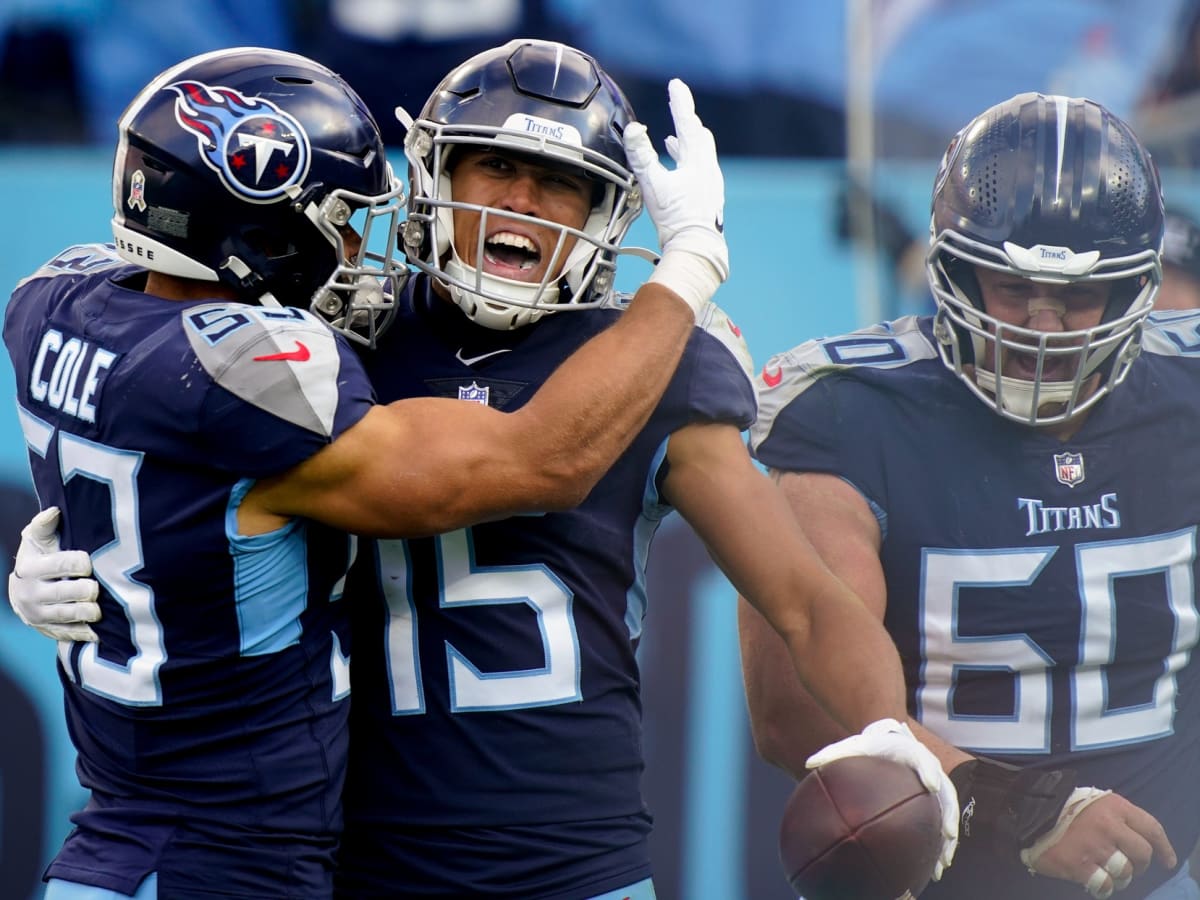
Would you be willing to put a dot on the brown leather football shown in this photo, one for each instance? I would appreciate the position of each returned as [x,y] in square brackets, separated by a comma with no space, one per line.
[860,828]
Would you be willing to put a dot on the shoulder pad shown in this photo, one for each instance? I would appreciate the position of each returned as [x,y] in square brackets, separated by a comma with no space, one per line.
[80,259]
[789,374]
[1172,333]
[716,322]
[888,345]
[282,360]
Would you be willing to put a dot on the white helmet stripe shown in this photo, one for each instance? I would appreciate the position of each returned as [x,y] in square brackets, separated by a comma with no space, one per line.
[1061,105]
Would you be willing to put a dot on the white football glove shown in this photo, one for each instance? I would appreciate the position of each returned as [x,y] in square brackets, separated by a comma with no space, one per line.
[892,740]
[686,204]
[49,589]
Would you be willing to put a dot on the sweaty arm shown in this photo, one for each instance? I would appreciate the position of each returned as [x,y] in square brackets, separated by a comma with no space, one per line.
[428,465]
[829,638]
[788,723]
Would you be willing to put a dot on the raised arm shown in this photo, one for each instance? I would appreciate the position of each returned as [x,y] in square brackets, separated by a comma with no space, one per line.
[429,465]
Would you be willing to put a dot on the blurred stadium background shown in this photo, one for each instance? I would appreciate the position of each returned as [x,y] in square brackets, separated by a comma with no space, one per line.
[830,119]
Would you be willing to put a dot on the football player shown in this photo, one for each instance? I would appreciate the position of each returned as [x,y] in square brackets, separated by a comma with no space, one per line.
[210,441]
[977,476]
[497,745]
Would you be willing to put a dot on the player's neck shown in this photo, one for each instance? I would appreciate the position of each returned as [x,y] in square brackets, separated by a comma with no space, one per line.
[168,287]
[440,291]
[1064,431]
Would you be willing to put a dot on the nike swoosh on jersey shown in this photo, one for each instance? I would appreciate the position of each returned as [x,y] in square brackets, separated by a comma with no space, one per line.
[300,354]
[470,361]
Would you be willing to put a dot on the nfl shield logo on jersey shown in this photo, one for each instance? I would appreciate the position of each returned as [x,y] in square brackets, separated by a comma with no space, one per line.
[1068,468]
[475,393]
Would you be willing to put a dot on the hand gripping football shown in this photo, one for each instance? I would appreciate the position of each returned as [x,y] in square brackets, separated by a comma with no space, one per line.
[860,828]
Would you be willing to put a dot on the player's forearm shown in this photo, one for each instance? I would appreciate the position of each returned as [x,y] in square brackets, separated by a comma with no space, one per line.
[838,646]
[589,411]
[948,755]
[849,672]
[850,666]
[786,723]
[853,671]
[847,625]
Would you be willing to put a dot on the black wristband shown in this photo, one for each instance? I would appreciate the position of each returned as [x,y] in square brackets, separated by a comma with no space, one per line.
[1006,806]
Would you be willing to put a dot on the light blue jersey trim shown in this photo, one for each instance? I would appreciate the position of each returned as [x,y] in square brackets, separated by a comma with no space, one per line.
[643,890]
[1180,886]
[878,511]
[654,510]
[270,574]
[58,889]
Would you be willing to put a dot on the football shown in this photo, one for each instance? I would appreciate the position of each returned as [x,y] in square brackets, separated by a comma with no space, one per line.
[860,828]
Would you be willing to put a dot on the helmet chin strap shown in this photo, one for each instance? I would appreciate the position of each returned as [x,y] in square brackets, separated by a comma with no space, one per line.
[496,314]
[1016,394]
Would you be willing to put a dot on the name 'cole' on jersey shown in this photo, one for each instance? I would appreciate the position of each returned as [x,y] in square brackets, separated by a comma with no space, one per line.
[495,672]
[1042,594]
[213,703]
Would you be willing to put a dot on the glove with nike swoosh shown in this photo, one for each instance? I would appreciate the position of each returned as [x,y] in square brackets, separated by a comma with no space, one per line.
[48,588]
[686,203]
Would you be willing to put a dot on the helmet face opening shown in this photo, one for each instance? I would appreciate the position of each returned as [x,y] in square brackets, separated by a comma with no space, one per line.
[246,167]
[1059,192]
[534,100]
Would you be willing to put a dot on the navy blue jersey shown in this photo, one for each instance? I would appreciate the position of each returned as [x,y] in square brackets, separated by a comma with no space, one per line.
[209,719]
[497,722]
[1042,593]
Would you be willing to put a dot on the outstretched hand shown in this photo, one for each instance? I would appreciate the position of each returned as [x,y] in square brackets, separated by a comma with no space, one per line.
[686,203]
[1101,841]
[893,740]
[50,589]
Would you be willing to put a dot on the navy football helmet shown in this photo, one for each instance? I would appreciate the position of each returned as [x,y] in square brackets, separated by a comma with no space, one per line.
[546,100]
[1056,190]
[246,167]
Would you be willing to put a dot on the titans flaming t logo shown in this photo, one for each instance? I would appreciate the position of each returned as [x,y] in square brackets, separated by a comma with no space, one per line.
[258,150]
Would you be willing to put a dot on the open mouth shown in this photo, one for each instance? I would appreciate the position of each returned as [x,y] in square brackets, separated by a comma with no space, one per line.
[511,255]
[1054,368]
